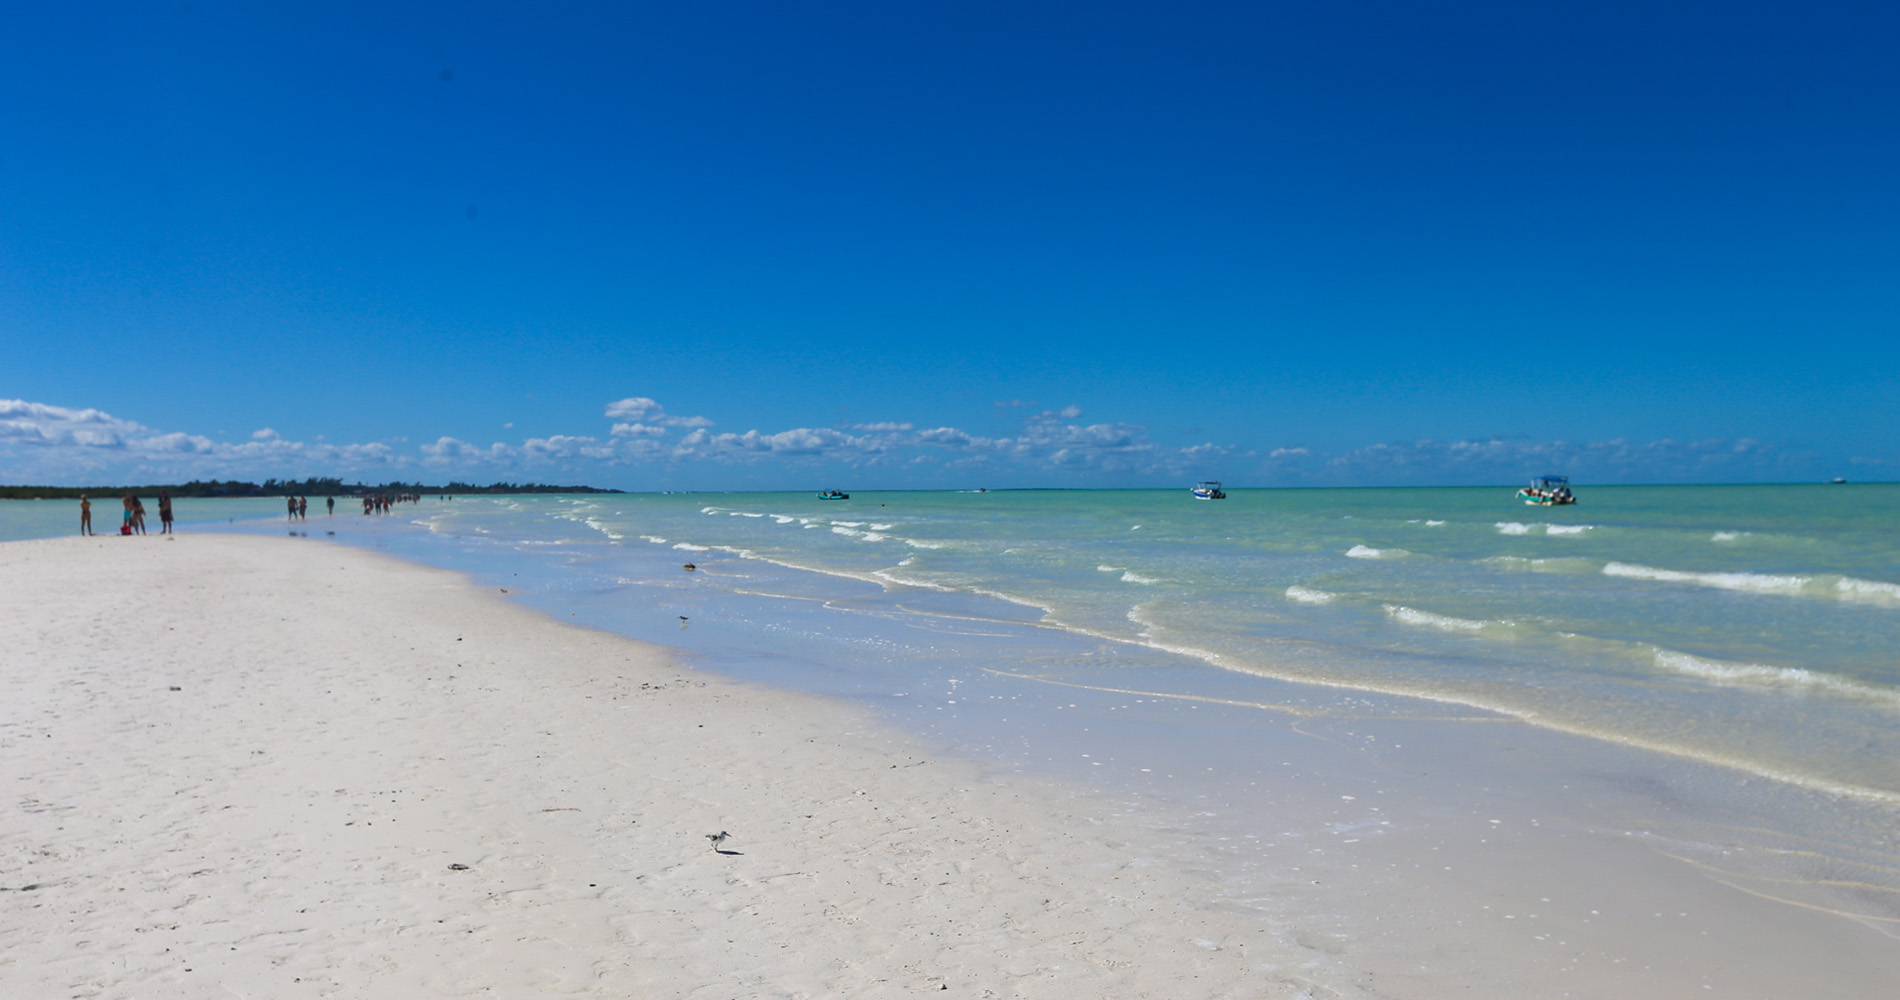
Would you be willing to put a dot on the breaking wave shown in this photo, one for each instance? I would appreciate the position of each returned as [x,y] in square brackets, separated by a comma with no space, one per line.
[1756,674]
[1444,623]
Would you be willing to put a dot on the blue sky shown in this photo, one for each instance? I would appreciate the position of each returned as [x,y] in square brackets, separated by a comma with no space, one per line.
[785,245]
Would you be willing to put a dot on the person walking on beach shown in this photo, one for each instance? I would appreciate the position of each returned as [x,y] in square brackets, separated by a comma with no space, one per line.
[164,512]
[303,508]
[330,502]
[290,506]
[85,515]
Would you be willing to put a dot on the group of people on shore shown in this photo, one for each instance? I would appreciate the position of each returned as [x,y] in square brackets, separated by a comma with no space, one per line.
[133,522]
[295,508]
[381,503]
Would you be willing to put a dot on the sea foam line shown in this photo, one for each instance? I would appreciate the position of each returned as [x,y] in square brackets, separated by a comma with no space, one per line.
[1307,595]
[1759,583]
[1845,588]
[1444,623]
[1757,674]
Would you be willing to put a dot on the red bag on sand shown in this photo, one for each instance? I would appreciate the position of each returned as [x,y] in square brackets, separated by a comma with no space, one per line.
[125,529]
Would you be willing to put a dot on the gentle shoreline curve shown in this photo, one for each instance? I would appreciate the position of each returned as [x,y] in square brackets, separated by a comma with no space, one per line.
[249,765]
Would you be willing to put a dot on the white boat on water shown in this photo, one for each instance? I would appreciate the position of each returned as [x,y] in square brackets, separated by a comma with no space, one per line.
[1548,491]
[1208,490]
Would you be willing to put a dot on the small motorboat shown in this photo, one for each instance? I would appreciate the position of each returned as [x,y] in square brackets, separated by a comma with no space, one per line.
[1208,490]
[1548,491]
[834,495]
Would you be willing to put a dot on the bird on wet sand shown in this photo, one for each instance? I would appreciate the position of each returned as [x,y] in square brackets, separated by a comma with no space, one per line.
[718,839]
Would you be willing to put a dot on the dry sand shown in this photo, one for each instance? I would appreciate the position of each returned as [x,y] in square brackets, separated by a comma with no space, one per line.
[255,767]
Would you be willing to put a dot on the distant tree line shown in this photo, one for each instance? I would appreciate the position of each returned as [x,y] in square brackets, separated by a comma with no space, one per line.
[313,486]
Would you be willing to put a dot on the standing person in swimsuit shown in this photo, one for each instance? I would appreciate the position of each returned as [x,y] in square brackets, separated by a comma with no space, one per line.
[125,526]
[330,502]
[138,516]
[85,515]
[164,512]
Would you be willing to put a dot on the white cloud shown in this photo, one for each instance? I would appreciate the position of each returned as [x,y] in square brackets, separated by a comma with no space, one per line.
[643,410]
[632,408]
[45,425]
[41,442]
[59,444]
[448,450]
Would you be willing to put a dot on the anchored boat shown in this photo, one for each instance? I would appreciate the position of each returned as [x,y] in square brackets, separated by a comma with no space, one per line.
[1208,490]
[834,495]
[1548,491]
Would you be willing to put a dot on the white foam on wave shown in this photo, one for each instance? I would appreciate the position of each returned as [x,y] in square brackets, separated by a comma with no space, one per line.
[1368,552]
[744,513]
[882,527]
[596,524]
[655,539]
[782,519]
[1307,595]
[1131,576]
[1727,536]
[1513,528]
[849,524]
[1567,529]
[848,532]
[925,543]
[1105,568]
[1444,623]
[690,547]
[1845,588]
[1759,583]
[1868,591]
[1798,678]
[1434,524]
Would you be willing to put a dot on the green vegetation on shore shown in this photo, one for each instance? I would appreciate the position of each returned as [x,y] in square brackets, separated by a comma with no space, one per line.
[287,487]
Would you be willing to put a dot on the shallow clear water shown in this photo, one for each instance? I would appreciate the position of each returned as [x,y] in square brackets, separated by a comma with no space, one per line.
[1753,627]
[23,519]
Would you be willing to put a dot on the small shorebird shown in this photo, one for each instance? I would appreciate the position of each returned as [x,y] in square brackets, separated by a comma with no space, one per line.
[718,838]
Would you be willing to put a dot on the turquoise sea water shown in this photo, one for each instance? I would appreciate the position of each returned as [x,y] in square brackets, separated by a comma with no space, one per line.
[22,519]
[1753,627]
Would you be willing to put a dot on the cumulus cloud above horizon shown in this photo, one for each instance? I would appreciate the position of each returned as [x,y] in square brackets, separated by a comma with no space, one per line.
[46,443]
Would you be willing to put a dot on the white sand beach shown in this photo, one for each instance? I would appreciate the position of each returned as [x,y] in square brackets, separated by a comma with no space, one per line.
[255,767]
